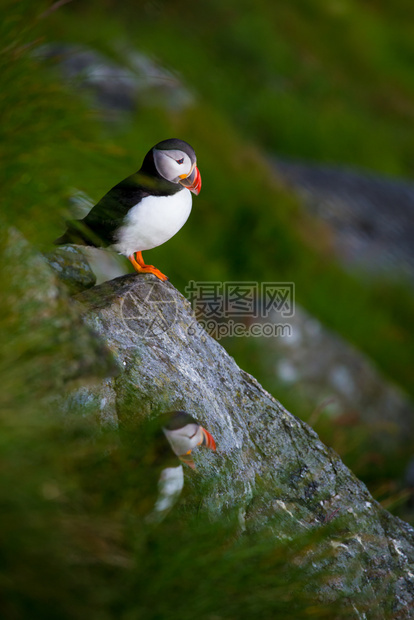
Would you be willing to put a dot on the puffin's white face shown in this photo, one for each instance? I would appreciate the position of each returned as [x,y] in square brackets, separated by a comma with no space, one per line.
[184,439]
[173,165]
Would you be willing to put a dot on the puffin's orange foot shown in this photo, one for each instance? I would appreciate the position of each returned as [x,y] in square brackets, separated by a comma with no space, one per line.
[187,459]
[141,267]
[155,271]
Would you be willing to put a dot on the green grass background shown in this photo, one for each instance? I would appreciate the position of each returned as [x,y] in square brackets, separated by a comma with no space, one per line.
[328,81]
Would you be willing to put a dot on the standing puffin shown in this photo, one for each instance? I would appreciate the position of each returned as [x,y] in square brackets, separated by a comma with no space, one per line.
[146,209]
[183,433]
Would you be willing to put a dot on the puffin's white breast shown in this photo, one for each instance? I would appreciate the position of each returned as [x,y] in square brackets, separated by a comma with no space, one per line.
[170,485]
[153,221]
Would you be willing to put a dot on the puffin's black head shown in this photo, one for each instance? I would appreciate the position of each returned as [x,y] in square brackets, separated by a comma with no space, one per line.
[175,161]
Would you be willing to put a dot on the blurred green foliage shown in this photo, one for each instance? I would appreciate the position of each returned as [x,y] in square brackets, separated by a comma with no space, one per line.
[327,80]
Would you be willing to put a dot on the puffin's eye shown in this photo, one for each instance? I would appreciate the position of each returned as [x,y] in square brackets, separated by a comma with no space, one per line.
[180,161]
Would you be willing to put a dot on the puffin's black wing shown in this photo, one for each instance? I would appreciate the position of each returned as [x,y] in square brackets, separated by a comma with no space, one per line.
[109,213]
[99,226]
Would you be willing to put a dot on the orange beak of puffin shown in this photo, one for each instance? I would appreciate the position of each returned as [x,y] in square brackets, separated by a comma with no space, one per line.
[208,439]
[192,181]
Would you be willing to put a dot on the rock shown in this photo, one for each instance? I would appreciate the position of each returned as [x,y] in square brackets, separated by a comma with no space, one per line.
[40,306]
[268,463]
[330,374]
[118,88]
[71,267]
[80,267]
[371,217]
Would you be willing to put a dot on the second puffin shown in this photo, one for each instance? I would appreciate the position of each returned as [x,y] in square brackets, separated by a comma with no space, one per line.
[146,209]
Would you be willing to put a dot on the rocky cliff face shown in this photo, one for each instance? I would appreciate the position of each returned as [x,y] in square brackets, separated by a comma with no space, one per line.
[327,372]
[268,463]
[370,217]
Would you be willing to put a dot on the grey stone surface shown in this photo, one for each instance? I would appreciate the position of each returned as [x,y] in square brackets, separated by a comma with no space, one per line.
[71,267]
[371,217]
[268,463]
[43,309]
[321,367]
[118,87]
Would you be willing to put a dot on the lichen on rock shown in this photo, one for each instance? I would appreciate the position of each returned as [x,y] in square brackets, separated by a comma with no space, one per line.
[268,463]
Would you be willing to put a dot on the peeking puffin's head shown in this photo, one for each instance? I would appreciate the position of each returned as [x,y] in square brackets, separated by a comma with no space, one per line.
[184,433]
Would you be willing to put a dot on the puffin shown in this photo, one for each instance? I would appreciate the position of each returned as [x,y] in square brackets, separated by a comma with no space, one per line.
[183,434]
[144,210]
